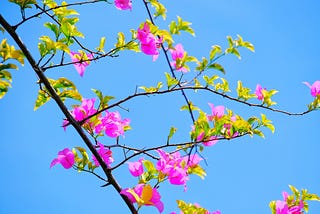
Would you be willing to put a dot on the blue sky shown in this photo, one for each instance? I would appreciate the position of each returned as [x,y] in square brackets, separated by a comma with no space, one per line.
[243,175]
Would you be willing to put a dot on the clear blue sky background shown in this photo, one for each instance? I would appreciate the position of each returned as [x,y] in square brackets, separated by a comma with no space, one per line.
[243,175]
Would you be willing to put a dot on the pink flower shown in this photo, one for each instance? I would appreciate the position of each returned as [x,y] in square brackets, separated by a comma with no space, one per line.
[259,91]
[192,160]
[149,43]
[105,154]
[79,64]
[217,112]
[315,88]
[79,113]
[112,124]
[144,194]
[123,4]
[177,53]
[172,166]
[65,158]
[136,168]
[282,207]
[212,141]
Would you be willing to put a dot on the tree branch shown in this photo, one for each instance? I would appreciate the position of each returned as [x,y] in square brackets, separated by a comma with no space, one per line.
[63,108]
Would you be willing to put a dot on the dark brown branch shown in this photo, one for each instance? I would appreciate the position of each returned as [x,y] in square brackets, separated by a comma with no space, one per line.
[65,111]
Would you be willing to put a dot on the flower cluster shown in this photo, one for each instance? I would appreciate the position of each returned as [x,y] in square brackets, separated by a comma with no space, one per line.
[123,4]
[144,194]
[80,61]
[111,123]
[105,154]
[149,43]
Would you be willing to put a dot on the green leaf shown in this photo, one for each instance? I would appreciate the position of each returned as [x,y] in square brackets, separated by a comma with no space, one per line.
[216,49]
[120,40]
[171,81]
[197,170]
[43,97]
[171,133]
[101,44]
[176,27]
[24,3]
[160,9]
[258,132]
[53,27]
[192,107]
[73,94]
[63,83]
[217,67]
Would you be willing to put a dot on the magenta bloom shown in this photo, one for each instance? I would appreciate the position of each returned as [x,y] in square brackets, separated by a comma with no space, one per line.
[149,43]
[172,166]
[112,124]
[65,158]
[177,53]
[315,88]
[123,4]
[258,92]
[283,208]
[81,112]
[136,168]
[105,154]
[212,141]
[217,112]
[192,160]
[78,64]
[151,196]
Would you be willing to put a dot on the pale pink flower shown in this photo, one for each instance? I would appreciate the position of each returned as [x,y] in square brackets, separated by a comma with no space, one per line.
[136,168]
[149,43]
[105,154]
[79,64]
[315,88]
[123,4]
[258,92]
[155,199]
[192,160]
[177,53]
[217,112]
[65,158]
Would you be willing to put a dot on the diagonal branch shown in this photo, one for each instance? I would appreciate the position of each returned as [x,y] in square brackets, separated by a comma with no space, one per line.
[63,108]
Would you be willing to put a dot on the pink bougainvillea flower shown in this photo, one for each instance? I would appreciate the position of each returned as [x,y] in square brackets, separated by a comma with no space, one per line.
[282,207]
[112,124]
[192,160]
[79,64]
[217,112]
[144,194]
[84,110]
[172,166]
[259,92]
[123,4]
[149,43]
[136,168]
[65,158]
[177,53]
[212,141]
[315,88]
[105,154]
